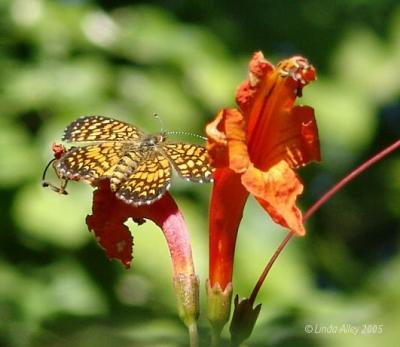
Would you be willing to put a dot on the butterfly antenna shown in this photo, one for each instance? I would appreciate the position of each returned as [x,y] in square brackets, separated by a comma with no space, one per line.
[186,133]
[156,115]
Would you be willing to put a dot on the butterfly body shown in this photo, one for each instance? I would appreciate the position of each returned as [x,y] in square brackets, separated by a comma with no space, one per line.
[138,165]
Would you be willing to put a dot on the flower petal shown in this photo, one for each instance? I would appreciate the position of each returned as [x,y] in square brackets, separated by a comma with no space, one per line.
[259,69]
[217,145]
[107,222]
[227,141]
[277,190]
[304,146]
[294,139]
[276,129]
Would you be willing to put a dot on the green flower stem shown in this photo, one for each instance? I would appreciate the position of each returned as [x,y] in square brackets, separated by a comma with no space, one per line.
[193,335]
[215,338]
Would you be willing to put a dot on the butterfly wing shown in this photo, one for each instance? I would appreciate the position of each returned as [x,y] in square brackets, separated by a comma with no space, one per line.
[90,162]
[99,128]
[148,182]
[190,161]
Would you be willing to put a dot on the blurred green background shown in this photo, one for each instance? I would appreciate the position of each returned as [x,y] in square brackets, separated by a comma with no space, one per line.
[184,59]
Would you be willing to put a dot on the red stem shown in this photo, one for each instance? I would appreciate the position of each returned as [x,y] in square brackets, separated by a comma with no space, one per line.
[317,205]
[348,178]
[268,267]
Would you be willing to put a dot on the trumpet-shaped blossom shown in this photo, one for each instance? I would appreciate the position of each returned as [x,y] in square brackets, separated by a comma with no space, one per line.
[107,221]
[110,213]
[255,149]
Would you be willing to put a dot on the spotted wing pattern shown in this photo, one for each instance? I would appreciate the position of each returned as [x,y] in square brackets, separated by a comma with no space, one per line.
[99,128]
[190,161]
[90,162]
[148,182]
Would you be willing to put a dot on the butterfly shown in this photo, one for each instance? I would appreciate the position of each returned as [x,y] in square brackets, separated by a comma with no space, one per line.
[138,165]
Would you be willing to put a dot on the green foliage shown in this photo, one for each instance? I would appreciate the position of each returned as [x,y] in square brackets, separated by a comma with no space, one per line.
[63,59]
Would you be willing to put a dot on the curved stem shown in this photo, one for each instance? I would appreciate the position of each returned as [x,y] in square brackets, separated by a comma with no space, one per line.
[268,267]
[349,178]
[317,205]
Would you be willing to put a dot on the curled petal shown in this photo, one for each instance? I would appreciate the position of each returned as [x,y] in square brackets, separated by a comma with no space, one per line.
[227,141]
[217,145]
[258,69]
[277,190]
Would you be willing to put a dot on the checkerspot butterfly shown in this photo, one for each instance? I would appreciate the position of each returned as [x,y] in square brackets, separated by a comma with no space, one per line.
[139,166]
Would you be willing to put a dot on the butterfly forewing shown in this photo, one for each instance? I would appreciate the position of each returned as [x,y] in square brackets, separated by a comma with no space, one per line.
[90,162]
[99,128]
[190,161]
[148,182]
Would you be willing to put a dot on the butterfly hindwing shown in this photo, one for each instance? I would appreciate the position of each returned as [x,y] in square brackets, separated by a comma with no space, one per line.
[148,182]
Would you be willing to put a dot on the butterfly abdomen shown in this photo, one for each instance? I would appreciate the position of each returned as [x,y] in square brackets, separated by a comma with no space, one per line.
[127,164]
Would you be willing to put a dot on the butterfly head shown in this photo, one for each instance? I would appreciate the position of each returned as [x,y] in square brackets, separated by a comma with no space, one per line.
[153,140]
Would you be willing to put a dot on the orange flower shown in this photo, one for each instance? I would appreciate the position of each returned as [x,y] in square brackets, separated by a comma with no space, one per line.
[255,149]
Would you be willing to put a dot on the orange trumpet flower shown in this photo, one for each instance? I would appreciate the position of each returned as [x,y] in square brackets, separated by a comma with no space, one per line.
[254,149]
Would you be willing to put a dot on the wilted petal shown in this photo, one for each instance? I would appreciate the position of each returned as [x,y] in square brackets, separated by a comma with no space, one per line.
[107,222]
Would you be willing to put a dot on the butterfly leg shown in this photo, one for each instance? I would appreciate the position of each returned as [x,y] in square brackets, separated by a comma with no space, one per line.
[64,181]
